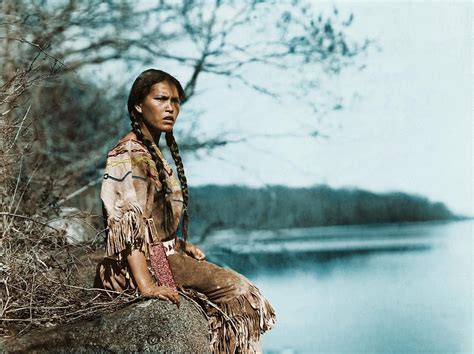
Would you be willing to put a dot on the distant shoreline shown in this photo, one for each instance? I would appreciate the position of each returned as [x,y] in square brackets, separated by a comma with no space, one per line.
[214,207]
[365,226]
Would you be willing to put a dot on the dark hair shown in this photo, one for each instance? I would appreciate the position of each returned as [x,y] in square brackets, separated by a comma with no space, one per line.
[140,89]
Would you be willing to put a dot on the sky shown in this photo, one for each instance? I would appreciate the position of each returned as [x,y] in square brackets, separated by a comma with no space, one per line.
[406,126]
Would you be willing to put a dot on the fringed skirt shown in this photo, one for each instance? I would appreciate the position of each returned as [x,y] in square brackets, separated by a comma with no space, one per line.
[236,311]
[240,313]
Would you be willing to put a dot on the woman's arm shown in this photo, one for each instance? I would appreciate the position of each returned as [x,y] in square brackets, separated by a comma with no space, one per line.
[192,250]
[146,284]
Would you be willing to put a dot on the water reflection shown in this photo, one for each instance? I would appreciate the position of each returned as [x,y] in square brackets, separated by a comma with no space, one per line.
[321,262]
[377,289]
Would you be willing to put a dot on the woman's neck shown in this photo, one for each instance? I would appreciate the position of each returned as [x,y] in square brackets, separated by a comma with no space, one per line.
[151,134]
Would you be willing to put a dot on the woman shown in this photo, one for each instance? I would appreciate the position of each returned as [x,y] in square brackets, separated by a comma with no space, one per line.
[143,205]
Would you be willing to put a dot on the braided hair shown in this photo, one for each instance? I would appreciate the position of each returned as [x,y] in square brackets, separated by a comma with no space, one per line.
[140,89]
[173,146]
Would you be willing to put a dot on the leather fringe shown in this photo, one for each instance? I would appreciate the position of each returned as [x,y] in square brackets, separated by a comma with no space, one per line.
[235,325]
[168,216]
[125,228]
[251,315]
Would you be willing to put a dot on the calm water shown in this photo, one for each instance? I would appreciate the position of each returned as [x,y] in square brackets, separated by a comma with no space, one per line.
[360,289]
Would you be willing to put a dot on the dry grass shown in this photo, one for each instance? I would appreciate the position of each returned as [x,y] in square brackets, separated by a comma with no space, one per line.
[44,280]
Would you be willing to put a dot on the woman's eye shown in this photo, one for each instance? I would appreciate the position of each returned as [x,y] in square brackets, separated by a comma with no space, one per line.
[163,98]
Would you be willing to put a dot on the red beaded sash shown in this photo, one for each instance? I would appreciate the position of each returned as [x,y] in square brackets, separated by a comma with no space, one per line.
[159,260]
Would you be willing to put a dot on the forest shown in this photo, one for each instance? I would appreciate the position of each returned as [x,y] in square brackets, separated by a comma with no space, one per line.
[224,207]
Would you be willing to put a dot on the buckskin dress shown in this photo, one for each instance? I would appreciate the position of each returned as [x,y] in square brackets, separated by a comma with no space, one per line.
[131,194]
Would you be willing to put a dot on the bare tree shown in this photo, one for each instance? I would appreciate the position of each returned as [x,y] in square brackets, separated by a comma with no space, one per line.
[208,38]
[217,37]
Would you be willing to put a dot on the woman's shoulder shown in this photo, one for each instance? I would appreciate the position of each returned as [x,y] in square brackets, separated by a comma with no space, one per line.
[130,153]
[128,144]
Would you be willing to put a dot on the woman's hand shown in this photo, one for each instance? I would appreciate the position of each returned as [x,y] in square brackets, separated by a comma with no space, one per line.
[146,284]
[160,292]
[194,252]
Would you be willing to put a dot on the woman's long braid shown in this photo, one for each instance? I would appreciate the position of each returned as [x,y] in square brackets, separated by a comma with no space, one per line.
[173,146]
[167,223]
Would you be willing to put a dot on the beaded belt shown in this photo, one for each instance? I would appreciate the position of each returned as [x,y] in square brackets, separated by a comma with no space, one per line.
[159,259]
[169,246]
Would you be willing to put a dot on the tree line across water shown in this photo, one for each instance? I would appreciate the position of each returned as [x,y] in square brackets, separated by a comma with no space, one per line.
[220,207]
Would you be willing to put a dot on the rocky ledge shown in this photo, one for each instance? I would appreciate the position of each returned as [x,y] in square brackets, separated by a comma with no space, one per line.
[146,326]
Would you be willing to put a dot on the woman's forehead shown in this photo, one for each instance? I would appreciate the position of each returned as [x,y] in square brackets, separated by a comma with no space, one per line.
[164,87]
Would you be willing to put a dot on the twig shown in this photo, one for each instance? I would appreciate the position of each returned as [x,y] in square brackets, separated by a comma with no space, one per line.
[5,306]
[28,218]
[26,187]
[41,308]
[16,188]
[19,128]
[37,46]
[80,190]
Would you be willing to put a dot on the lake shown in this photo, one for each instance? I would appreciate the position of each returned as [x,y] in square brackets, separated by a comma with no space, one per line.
[387,288]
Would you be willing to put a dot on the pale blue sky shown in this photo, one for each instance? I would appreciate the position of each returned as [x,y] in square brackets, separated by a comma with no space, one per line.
[409,128]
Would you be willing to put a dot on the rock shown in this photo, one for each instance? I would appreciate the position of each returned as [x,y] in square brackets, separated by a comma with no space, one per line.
[148,326]
[77,229]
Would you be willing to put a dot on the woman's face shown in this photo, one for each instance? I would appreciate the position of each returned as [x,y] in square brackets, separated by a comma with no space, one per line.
[160,108]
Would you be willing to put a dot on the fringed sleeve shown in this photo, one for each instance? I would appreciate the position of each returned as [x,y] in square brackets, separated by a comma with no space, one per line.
[124,195]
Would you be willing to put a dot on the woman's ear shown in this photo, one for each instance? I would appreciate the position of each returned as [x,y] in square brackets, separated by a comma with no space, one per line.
[138,108]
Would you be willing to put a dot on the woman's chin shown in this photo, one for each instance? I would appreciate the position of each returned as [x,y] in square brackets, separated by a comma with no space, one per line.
[167,128]
[164,128]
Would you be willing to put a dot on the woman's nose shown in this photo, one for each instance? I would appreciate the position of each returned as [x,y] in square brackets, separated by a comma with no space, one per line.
[169,106]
